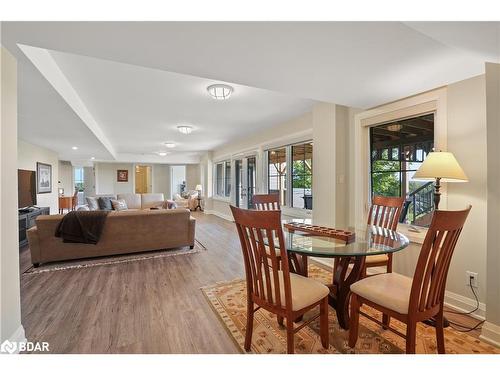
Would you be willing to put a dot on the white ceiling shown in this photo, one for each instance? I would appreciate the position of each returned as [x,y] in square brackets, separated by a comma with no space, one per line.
[360,64]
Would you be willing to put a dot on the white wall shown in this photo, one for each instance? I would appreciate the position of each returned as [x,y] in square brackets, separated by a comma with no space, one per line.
[193,176]
[27,157]
[161,180]
[10,305]
[106,178]
[65,178]
[491,329]
[467,140]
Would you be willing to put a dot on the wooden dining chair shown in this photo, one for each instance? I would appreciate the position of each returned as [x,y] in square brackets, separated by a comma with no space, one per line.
[413,300]
[384,212]
[285,294]
[74,200]
[266,201]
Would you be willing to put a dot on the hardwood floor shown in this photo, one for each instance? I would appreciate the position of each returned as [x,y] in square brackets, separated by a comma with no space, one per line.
[151,306]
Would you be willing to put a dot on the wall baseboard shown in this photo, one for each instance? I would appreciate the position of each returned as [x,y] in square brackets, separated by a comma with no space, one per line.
[490,333]
[218,214]
[464,304]
[18,336]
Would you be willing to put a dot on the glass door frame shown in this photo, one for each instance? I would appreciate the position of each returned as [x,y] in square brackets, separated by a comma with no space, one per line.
[242,178]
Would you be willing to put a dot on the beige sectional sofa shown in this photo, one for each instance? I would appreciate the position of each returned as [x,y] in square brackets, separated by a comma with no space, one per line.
[124,232]
[138,201]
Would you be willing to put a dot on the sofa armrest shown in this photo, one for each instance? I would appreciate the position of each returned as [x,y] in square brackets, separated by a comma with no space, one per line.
[34,244]
[192,230]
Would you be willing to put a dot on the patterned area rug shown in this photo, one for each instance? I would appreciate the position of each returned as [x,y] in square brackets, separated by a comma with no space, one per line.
[228,299]
[103,261]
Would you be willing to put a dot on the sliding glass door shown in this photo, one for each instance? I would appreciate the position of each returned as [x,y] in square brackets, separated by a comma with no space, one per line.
[245,170]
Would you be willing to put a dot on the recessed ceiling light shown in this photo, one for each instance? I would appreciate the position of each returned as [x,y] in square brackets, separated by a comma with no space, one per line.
[220,91]
[185,129]
[162,153]
[74,148]
[92,158]
[170,144]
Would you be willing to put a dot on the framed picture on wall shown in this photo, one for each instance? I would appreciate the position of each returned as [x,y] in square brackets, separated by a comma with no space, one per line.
[122,175]
[43,178]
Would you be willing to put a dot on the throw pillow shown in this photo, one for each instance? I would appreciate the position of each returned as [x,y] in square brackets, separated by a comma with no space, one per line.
[84,208]
[92,203]
[119,204]
[168,204]
[105,203]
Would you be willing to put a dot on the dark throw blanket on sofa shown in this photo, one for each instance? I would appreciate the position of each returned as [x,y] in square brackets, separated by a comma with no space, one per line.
[82,226]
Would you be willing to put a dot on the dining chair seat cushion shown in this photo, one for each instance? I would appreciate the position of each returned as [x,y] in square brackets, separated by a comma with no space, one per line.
[372,259]
[305,291]
[390,290]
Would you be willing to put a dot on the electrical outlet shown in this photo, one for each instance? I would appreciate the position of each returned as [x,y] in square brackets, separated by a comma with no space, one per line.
[471,275]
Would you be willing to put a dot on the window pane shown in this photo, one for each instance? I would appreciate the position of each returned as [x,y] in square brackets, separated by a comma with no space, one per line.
[302,175]
[277,171]
[397,150]
[219,190]
[386,184]
[227,184]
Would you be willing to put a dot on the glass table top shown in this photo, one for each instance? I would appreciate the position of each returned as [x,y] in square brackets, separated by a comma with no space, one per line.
[372,240]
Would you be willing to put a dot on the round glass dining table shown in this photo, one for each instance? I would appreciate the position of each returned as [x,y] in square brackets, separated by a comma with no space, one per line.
[349,257]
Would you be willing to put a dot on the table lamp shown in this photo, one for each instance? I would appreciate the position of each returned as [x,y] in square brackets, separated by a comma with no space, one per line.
[198,188]
[441,166]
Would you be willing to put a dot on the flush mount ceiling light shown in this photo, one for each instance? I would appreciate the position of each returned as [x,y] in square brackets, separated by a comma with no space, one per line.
[169,144]
[220,91]
[185,129]
[74,148]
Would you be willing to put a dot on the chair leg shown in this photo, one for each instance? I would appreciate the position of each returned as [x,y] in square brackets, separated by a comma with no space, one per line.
[249,328]
[440,332]
[354,323]
[280,320]
[386,321]
[411,337]
[289,335]
[323,323]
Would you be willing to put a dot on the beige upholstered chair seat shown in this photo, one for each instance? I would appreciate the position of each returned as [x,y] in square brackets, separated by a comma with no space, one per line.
[305,291]
[390,290]
[372,259]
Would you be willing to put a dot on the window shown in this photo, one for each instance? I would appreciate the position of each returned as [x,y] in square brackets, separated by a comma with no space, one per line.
[397,150]
[299,157]
[277,173]
[79,181]
[223,179]
[227,179]
[302,175]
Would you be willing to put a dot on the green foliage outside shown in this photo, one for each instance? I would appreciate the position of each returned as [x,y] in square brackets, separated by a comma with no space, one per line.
[386,183]
[302,177]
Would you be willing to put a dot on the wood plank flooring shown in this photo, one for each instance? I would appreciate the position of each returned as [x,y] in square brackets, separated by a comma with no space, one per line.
[151,306]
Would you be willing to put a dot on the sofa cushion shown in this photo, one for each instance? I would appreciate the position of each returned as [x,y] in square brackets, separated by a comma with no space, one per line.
[105,203]
[152,200]
[92,203]
[133,201]
[119,204]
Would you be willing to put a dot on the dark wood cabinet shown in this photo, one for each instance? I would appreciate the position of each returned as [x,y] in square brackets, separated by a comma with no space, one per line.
[27,220]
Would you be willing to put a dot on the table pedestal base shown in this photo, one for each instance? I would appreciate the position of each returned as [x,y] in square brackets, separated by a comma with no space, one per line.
[340,289]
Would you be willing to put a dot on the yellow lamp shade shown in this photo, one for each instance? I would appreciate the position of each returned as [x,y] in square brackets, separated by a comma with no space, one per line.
[198,187]
[441,165]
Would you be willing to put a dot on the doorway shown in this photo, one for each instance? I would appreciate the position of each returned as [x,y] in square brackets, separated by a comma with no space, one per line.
[178,179]
[143,183]
[245,170]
